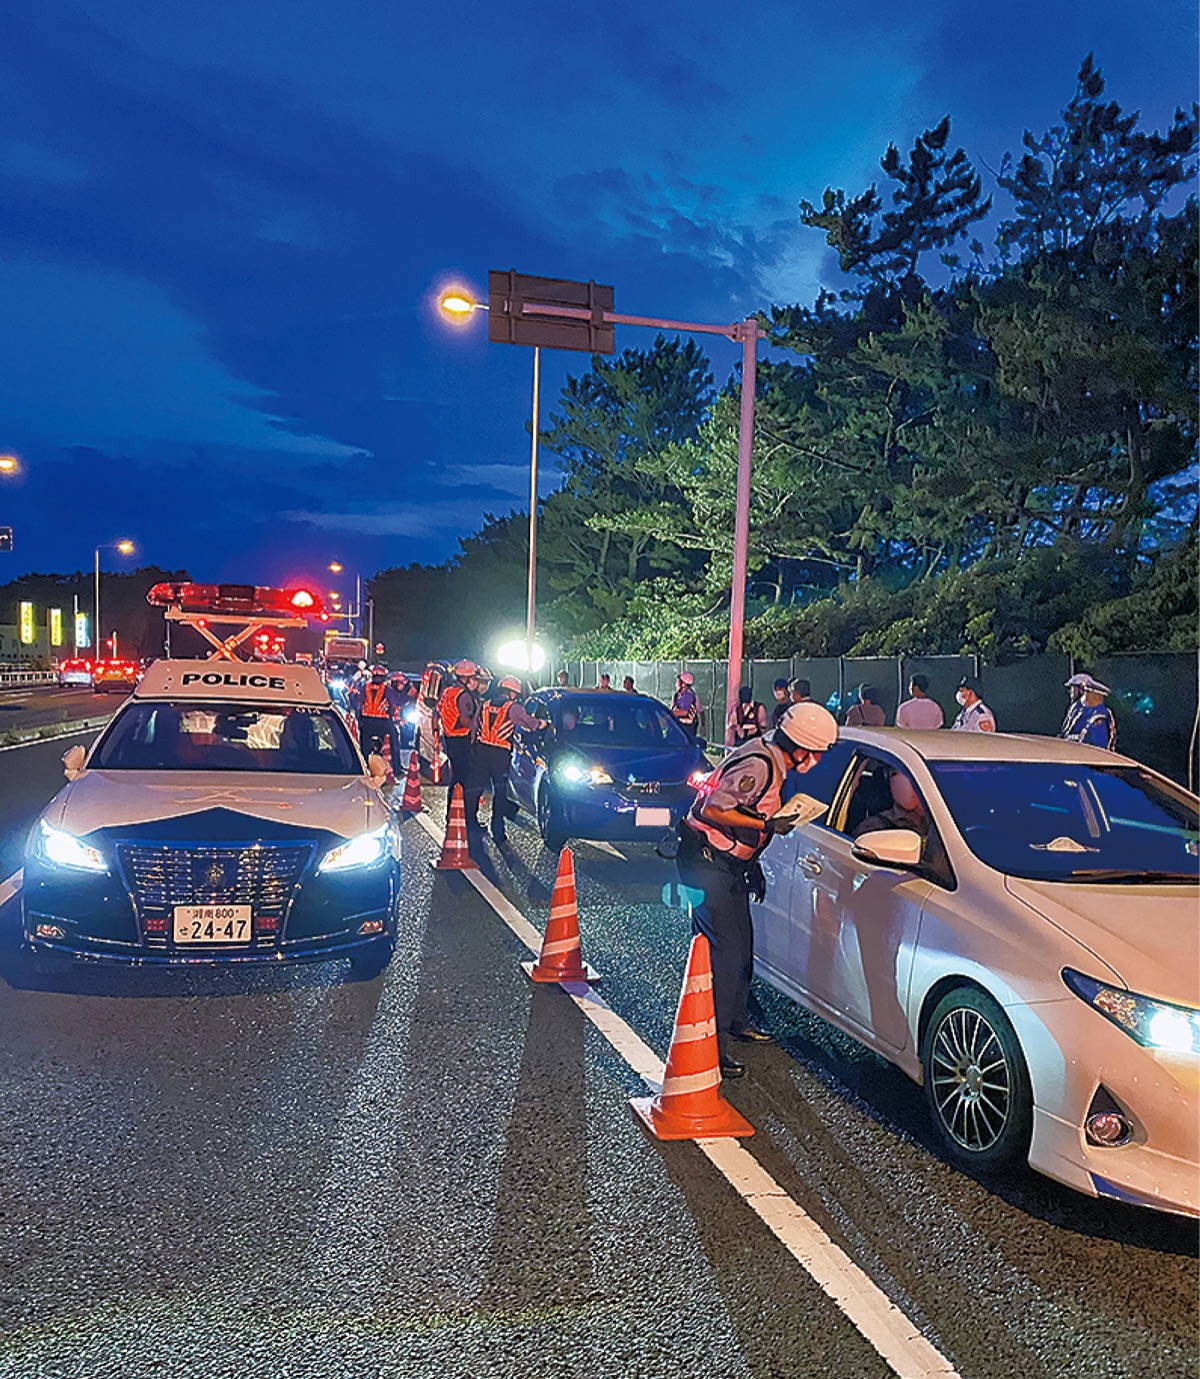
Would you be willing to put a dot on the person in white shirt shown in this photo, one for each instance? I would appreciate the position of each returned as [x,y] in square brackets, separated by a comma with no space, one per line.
[974,715]
[919,711]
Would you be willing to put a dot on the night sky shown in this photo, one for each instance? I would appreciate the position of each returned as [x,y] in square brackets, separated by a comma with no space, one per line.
[223,225]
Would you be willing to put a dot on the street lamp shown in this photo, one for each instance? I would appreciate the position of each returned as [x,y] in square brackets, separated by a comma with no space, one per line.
[123,547]
[355,611]
[9,464]
[529,310]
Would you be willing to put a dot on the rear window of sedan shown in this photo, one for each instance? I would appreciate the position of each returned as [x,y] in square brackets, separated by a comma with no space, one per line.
[1056,821]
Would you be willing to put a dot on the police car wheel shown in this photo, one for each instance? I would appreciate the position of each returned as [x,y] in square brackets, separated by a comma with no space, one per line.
[549,820]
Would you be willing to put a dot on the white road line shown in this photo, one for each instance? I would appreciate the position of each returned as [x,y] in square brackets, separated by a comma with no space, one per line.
[865,1305]
[10,887]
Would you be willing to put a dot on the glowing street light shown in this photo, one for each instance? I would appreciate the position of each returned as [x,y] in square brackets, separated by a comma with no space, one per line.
[123,547]
[457,304]
[335,567]
[9,464]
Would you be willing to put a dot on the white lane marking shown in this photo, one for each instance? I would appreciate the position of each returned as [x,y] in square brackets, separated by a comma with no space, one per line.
[10,887]
[863,1303]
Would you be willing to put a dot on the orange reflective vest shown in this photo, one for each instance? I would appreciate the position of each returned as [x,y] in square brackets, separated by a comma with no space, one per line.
[453,722]
[495,725]
[374,702]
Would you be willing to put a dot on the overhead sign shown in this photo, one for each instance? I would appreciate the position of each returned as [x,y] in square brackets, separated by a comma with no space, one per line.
[28,634]
[56,636]
[555,312]
[82,636]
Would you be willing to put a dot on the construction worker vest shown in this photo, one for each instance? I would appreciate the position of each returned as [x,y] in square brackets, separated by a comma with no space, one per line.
[374,702]
[495,725]
[452,721]
[746,719]
[742,844]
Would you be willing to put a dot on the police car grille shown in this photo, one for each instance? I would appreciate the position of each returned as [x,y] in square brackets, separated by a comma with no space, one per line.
[263,876]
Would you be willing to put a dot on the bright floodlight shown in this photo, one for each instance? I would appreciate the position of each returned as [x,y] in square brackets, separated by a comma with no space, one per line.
[514,655]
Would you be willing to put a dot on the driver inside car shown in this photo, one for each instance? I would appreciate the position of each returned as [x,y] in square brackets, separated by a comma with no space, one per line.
[905,811]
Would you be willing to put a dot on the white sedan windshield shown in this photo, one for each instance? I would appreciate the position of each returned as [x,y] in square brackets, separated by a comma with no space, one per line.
[1053,821]
[226,737]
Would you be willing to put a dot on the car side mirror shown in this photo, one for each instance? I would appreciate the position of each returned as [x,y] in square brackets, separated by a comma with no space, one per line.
[890,847]
[377,767]
[72,760]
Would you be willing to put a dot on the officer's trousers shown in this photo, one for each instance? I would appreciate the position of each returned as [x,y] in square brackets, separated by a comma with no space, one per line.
[723,917]
[459,750]
[489,767]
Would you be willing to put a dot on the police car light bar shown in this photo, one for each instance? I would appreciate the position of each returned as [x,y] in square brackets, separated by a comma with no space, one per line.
[237,600]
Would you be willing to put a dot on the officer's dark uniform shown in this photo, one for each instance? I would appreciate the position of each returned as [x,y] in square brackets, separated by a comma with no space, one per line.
[498,716]
[722,865]
[457,709]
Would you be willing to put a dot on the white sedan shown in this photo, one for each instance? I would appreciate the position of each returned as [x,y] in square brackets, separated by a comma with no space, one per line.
[1014,922]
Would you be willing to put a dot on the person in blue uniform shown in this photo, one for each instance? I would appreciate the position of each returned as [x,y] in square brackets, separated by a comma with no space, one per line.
[1093,721]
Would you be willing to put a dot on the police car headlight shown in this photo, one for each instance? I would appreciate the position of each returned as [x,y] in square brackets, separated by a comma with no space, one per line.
[577,774]
[65,850]
[364,851]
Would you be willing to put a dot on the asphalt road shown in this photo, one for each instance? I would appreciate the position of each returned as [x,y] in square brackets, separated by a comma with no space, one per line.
[43,706]
[437,1172]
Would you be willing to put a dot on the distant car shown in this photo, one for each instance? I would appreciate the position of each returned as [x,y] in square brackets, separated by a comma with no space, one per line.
[1014,922]
[224,816]
[116,676]
[76,671]
[610,766]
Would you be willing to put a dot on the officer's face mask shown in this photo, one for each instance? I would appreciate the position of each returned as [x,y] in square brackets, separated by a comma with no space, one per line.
[961,696]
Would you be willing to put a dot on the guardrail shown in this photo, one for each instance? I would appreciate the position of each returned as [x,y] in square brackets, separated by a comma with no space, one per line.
[28,677]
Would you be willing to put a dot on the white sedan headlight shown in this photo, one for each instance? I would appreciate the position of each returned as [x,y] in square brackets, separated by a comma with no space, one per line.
[364,851]
[1154,1024]
[65,850]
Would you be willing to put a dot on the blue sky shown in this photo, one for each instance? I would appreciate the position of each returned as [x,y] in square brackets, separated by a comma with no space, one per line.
[224,225]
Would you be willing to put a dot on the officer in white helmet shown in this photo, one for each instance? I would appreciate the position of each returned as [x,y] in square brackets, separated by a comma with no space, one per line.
[720,841]
[1092,720]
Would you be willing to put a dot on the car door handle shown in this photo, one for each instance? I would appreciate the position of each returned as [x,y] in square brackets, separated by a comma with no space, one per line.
[811,864]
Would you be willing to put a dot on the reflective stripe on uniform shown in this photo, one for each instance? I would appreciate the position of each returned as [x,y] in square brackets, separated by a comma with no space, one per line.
[495,725]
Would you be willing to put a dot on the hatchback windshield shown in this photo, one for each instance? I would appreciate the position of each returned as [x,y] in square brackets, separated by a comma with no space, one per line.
[1055,821]
[611,721]
[227,737]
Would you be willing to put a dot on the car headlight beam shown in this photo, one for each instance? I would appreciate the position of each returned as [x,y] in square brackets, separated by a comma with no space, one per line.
[63,849]
[1153,1024]
[575,773]
[364,851]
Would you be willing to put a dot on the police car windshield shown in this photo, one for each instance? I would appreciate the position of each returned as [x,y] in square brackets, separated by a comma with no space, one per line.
[1054,821]
[191,736]
[611,721]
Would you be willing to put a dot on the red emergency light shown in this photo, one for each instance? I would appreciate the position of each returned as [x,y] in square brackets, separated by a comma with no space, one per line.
[243,600]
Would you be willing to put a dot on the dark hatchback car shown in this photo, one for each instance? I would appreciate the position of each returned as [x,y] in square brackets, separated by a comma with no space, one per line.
[610,766]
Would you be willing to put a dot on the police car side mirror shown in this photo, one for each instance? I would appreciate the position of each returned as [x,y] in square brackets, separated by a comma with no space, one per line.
[890,847]
[72,760]
[377,767]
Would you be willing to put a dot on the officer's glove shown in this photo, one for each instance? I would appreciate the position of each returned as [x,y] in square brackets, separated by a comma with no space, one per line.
[756,882]
[781,826]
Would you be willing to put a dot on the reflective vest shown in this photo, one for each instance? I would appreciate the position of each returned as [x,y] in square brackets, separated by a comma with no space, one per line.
[685,706]
[374,702]
[495,725]
[454,724]
[741,844]
[746,720]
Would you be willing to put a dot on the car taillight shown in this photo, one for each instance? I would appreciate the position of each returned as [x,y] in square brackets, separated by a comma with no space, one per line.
[155,926]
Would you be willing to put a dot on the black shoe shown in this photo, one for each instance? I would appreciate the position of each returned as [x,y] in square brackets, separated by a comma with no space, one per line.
[748,1034]
[731,1068]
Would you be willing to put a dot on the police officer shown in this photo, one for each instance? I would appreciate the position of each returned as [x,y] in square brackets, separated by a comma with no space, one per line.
[747,718]
[499,714]
[685,706]
[974,715]
[374,701]
[406,694]
[720,841]
[1074,687]
[1094,722]
[782,699]
[457,709]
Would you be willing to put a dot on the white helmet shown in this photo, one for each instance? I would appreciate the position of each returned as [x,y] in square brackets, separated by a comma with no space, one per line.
[686,677]
[510,682]
[465,669]
[809,726]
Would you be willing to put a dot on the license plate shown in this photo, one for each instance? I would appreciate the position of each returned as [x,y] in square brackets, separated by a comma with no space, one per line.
[652,818]
[212,924]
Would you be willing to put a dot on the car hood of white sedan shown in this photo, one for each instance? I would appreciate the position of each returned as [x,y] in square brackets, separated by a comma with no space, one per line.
[1148,935]
[108,799]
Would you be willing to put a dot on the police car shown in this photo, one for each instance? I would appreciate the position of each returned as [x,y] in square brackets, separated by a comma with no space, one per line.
[224,815]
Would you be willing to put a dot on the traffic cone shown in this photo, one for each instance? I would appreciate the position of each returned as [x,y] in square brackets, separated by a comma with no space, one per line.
[455,856]
[690,1105]
[411,803]
[561,959]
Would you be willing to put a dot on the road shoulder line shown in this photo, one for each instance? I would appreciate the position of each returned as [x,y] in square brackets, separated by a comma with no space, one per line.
[864,1304]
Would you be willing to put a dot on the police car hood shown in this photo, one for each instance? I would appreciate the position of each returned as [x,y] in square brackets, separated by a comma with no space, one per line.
[344,805]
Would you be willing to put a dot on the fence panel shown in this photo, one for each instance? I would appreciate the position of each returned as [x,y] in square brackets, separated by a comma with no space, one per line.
[823,674]
[1027,696]
[880,671]
[1153,701]
[763,674]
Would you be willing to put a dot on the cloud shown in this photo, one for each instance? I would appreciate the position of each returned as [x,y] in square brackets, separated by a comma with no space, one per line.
[405,519]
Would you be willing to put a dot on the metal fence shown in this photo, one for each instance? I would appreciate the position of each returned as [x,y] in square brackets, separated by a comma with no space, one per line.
[1154,695]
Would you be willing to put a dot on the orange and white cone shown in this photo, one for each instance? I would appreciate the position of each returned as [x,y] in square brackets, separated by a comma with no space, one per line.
[411,802]
[690,1105]
[561,959]
[455,855]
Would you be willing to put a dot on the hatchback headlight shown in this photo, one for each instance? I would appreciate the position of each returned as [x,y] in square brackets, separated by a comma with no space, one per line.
[62,849]
[364,851]
[1154,1024]
[578,774]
